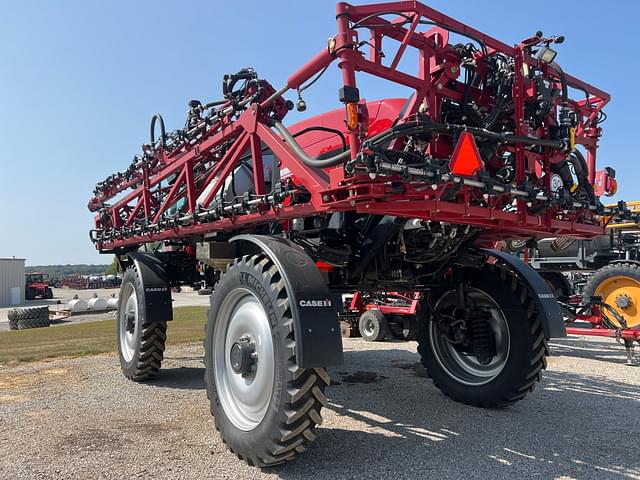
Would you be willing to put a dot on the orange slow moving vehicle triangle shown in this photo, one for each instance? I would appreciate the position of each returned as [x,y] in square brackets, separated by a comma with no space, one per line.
[466,160]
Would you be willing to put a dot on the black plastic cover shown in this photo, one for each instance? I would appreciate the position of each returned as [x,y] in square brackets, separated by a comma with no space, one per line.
[552,319]
[155,285]
[349,94]
[314,309]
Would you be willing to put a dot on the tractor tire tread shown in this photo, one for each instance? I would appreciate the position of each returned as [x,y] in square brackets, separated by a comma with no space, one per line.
[147,360]
[298,418]
[38,322]
[23,313]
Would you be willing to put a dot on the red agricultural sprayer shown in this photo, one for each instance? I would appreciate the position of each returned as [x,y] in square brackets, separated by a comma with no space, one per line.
[404,194]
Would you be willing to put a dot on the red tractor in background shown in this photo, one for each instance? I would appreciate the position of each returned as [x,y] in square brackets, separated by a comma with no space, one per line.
[491,142]
[37,286]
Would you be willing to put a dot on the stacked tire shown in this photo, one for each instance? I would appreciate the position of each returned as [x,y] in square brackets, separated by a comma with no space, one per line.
[28,317]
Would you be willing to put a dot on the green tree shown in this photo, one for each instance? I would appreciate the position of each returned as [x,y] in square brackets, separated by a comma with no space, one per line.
[113,268]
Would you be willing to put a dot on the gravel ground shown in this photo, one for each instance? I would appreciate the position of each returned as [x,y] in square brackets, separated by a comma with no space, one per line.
[79,418]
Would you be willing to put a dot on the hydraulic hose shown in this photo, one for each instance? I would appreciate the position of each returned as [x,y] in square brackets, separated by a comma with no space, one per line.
[408,128]
[566,121]
[411,128]
[310,161]
[335,131]
[580,165]
[163,138]
[563,83]
[577,160]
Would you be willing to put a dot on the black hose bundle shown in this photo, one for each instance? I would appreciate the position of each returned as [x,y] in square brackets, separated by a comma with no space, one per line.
[563,83]
[405,129]
[163,137]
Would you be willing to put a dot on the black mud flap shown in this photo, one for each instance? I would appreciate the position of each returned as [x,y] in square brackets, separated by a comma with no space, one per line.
[155,284]
[552,319]
[314,310]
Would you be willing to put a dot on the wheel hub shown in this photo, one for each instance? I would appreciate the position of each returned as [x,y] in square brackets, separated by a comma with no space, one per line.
[242,336]
[623,301]
[369,327]
[472,347]
[131,321]
[128,317]
[482,338]
[243,356]
[622,293]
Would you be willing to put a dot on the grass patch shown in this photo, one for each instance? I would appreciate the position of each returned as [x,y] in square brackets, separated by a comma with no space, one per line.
[90,338]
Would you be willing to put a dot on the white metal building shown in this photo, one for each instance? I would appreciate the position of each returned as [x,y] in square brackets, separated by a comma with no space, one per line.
[11,281]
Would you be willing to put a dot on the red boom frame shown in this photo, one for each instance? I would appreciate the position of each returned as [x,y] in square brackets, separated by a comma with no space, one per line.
[165,178]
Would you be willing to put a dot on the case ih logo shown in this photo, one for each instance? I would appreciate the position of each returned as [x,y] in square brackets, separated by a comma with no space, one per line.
[316,303]
[156,289]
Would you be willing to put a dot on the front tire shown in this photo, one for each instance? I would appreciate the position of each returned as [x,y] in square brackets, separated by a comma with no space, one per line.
[140,345]
[265,406]
[520,345]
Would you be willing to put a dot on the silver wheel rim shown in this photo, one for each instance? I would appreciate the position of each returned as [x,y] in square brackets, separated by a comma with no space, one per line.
[244,398]
[463,367]
[369,327]
[128,317]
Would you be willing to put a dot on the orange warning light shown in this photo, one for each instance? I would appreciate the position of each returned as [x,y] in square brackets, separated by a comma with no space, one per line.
[352,115]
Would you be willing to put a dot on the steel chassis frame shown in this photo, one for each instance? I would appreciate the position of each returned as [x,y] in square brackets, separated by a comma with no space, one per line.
[251,129]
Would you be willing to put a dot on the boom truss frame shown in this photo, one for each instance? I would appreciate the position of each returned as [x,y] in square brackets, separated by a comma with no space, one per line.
[195,173]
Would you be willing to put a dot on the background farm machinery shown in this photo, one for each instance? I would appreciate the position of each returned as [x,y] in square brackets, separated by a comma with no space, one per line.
[374,317]
[37,286]
[597,280]
[402,194]
[85,282]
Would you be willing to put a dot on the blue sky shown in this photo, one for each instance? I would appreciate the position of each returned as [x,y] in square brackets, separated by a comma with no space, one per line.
[80,80]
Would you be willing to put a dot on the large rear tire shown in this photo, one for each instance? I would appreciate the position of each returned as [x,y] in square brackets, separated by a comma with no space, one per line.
[265,406]
[618,285]
[13,324]
[516,326]
[141,342]
[22,313]
[38,322]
